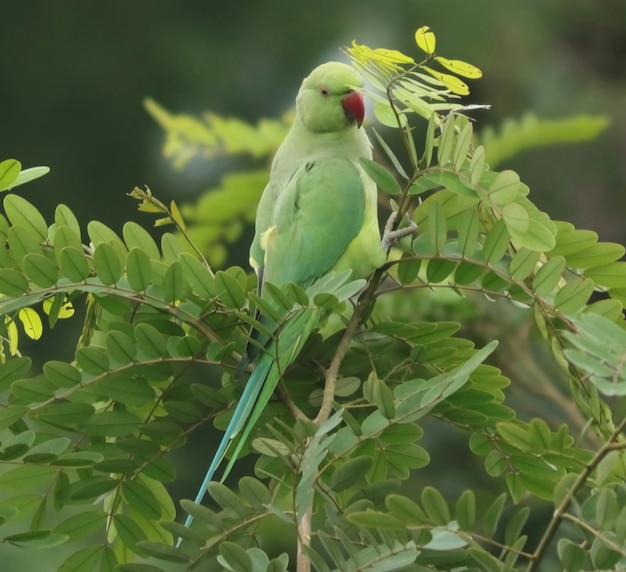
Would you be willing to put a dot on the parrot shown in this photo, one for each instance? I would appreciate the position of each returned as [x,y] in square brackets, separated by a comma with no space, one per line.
[318,214]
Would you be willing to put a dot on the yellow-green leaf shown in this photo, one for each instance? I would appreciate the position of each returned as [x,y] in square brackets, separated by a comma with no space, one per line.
[31,323]
[57,307]
[9,171]
[21,213]
[177,217]
[453,83]
[425,40]
[460,67]
[516,217]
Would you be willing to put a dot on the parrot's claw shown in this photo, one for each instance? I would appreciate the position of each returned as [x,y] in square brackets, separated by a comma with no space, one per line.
[391,236]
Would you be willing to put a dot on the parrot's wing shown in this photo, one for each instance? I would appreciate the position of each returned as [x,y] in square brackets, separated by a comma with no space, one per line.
[315,219]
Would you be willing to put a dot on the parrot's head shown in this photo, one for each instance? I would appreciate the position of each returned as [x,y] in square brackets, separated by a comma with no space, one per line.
[329,99]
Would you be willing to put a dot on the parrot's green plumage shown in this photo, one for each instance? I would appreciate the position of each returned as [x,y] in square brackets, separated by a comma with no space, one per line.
[317,214]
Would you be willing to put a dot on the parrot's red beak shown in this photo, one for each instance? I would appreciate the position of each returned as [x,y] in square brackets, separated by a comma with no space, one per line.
[354,107]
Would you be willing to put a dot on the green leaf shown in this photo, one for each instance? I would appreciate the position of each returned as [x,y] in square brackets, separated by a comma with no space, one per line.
[439,270]
[26,477]
[467,272]
[74,264]
[47,451]
[126,389]
[225,498]
[120,347]
[129,531]
[198,276]
[99,233]
[435,506]
[163,551]
[254,492]
[609,276]
[477,164]
[600,254]
[463,144]
[36,539]
[30,174]
[92,360]
[11,414]
[22,241]
[136,236]
[65,236]
[173,285]
[63,216]
[392,157]
[21,213]
[33,390]
[469,228]
[465,511]
[446,141]
[549,275]
[505,187]
[350,473]
[496,243]
[523,263]
[516,525]
[492,515]
[141,499]
[171,246]
[62,374]
[111,424]
[517,218]
[89,488]
[375,519]
[9,171]
[574,295]
[138,269]
[406,511]
[12,282]
[12,370]
[64,414]
[540,233]
[82,525]
[40,270]
[408,269]
[486,561]
[150,341]
[572,555]
[429,143]
[107,263]
[437,228]
[385,181]
[235,557]
[229,290]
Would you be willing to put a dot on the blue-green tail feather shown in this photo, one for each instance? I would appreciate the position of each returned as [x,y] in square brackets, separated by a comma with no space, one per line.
[279,355]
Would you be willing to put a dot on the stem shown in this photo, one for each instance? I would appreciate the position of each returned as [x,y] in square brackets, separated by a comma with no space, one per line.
[303,562]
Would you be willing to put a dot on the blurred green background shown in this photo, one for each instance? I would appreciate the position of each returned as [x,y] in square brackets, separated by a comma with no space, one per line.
[73,76]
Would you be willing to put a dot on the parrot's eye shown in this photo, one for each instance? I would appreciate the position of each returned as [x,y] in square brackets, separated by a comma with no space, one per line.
[324,91]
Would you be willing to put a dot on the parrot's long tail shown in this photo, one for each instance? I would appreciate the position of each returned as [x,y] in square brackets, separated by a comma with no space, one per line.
[279,354]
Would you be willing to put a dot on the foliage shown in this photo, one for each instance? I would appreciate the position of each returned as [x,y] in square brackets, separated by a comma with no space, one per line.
[86,447]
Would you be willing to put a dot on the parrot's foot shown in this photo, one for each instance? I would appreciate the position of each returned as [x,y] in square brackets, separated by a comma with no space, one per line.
[391,236]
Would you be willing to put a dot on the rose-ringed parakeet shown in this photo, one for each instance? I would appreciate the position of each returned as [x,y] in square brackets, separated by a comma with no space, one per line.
[317,214]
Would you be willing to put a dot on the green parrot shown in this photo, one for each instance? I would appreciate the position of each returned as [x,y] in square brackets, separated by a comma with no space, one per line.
[317,214]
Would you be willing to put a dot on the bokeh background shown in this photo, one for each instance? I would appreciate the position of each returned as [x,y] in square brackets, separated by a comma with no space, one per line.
[74,74]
